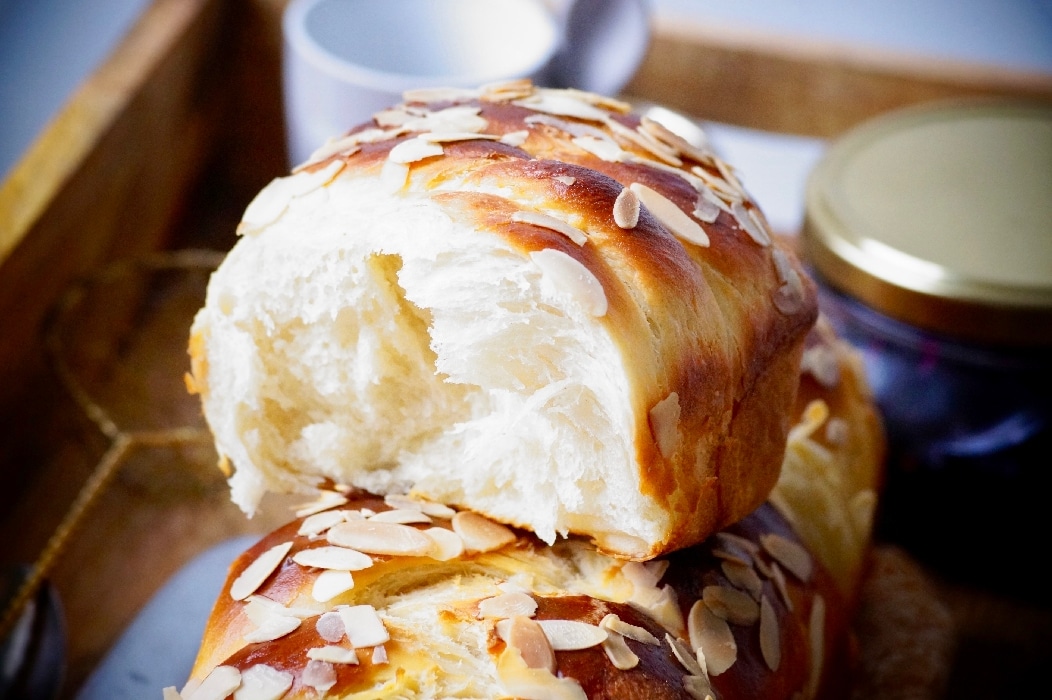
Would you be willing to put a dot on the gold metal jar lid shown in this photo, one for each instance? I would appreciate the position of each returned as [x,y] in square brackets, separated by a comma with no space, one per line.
[941,217]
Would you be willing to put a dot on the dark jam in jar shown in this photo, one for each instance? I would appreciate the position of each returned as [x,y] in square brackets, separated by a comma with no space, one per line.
[930,233]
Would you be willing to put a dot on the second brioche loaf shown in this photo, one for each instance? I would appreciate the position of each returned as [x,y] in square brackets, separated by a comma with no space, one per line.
[530,303]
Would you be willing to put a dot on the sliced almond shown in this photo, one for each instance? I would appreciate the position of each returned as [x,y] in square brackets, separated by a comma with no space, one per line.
[364,626]
[379,654]
[334,654]
[272,201]
[394,176]
[319,522]
[743,576]
[405,516]
[770,637]
[331,583]
[789,554]
[515,138]
[685,656]
[663,608]
[273,627]
[673,140]
[619,653]
[562,104]
[377,537]
[626,209]
[750,225]
[330,627]
[567,274]
[706,207]
[218,684]
[263,682]
[480,534]
[320,675]
[528,638]
[572,635]
[664,425]
[698,687]
[781,585]
[258,608]
[732,605]
[507,605]
[712,635]
[413,150]
[615,624]
[324,501]
[332,557]
[536,218]
[259,571]
[670,215]
[603,149]
[447,544]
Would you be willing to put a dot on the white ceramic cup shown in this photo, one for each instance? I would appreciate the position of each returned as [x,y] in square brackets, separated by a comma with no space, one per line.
[344,60]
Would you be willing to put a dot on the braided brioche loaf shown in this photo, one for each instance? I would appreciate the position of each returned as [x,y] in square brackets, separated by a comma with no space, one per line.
[528,303]
[370,597]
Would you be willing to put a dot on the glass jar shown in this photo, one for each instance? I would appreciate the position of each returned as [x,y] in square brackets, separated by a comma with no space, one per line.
[930,233]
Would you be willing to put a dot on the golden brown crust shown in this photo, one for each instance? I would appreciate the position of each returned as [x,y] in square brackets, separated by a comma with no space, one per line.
[716,316]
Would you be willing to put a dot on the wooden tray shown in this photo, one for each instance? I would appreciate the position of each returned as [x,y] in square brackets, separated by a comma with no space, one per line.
[107,476]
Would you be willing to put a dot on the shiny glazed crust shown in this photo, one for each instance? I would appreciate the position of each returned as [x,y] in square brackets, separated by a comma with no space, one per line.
[755,611]
[688,324]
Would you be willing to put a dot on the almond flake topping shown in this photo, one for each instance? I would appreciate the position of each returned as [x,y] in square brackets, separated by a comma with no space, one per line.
[698,687]
[259,571]
[789,554]
[515,138]
[707,207]
[332,557]
[507,90]
[567,274]
[320,675]
[816,632]
[528,638]
[732,605]
[319,522]
[789,297]
[405,516]
[218,684]
[330,627]
[562,104]
[619,653]
[674,141]
[755,230]
[507,605]
[331,583]
[664,425]
[272,201]
[324,501]
[273,627]
[480,534]
[571,635]
[344,147]
[258,608]
[447,544]
[685,656]
[602,149]
[333,654]
[263,682]
[615,624]
[743,576]
[711,634]
[646,143]
[820,361]
[364,626]
[551,223]
[770,639]
[413,150]
[626,209]
[681,225]
[379,654]
[781,585]
[451,136]
[378,537]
